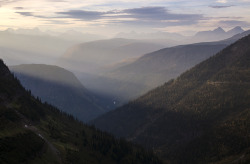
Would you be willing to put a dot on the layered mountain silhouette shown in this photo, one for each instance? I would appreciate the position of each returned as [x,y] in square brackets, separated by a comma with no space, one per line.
[34,132]
[95,56]
[60,88]
[173,39]
[216,34]
[151,70]
[203,116]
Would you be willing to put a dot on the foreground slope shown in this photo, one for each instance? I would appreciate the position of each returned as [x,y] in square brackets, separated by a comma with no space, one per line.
[60,88]
[203,116]
[33,132]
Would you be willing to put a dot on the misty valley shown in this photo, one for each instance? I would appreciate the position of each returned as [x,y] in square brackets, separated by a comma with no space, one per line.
[139,85]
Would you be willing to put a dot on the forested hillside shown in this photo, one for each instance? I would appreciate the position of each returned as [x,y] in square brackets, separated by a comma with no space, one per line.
[203,116]
[34,132]
[61,88]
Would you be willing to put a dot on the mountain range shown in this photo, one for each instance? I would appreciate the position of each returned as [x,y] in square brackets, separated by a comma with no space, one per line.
[128,81]
[173,39]
[92,57]
[203,116]
[25,46]
[216,34]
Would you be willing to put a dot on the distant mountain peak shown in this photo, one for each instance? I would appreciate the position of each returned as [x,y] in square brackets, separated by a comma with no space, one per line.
[236,30]
[219,30]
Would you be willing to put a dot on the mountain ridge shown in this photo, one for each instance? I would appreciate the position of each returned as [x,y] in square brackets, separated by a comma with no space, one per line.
[59,87]
[128,81]
[198,117]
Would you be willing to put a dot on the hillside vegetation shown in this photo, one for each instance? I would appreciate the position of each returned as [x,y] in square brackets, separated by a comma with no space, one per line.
[60,88]
[34,132]
[203,116]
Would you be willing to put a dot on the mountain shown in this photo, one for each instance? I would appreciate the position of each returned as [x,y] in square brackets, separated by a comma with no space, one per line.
[60,88]
[153,69]
[203,116]
[151,36]
[216,34]
[236,30]
[97,55]
[35,132]
[236,37]
[128,81]
[174,39]
[73,35]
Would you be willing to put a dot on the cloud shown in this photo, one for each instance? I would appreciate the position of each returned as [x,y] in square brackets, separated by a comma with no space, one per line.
[4,2]
[57,22]
[234,23]
[157,17]
[158,13]
[221,1]
[81,14]
[150,16]
[31,14]
[18,8]
[220,6]
[25,13]
[154,16]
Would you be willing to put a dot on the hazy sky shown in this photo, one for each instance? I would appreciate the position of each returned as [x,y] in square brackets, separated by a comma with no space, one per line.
[113,16]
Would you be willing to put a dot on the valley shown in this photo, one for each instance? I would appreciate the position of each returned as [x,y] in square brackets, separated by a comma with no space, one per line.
[124,82]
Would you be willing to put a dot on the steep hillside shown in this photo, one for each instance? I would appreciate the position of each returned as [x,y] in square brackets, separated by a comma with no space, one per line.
[60,88]
[149,71]
[155,68]
[33,132]
[203,116]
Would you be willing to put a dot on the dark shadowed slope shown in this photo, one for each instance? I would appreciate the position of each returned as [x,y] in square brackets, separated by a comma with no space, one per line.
[59,87]
[201,117]
[33,132]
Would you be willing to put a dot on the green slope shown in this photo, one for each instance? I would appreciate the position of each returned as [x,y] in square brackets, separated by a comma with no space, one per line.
[203,116]
[33,132]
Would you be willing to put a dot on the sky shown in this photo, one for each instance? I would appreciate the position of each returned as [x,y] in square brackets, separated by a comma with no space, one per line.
[108,17]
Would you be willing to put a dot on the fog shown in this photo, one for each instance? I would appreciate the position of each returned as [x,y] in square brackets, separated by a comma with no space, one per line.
[117,69]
